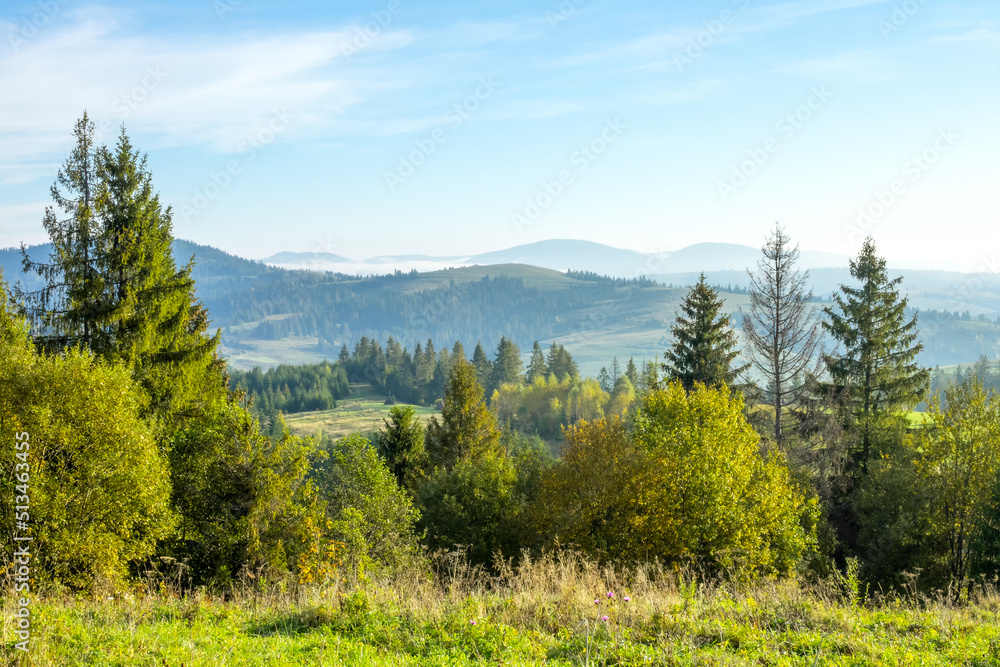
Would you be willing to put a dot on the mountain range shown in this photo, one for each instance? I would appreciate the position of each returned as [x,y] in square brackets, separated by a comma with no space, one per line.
[270,315]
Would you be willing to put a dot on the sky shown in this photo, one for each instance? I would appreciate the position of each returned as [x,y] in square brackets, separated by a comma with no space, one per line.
[393,127]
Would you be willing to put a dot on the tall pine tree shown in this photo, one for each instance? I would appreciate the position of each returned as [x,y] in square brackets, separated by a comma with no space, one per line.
[704,344]
[111,283]
[67,310]
[875,374]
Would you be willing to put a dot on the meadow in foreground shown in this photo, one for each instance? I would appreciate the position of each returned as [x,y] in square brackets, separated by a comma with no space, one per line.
[556,610]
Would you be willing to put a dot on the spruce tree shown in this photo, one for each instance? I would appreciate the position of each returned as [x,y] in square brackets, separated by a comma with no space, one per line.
[507,366]
[111,283]
[536,368]
[467,430]
[632,373]
[66,311]
[152,321]
[782,330]
[875,374]
[401,444]
[483,365]
[704,344]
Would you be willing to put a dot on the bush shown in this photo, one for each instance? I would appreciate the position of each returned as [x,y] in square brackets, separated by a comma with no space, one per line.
[245,501]
[687,482]
[368,514]
[98,488]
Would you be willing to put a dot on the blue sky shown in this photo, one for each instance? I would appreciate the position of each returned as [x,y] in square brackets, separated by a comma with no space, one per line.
[393,127]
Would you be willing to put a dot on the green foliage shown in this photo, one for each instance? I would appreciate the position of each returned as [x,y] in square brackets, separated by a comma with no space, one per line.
[704,344]
[97,484]
[401,445]
[507,366]
[591,498]
[245,501]
[467,429]
[536,367]
[67,310]
[688,482]
[368,513]
[111,284]
[560,363]
[929,503]
[288,388]
[473,504]
[717,498]
[875,374]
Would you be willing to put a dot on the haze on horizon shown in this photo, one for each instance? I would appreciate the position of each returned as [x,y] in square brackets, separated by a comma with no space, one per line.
[387,128]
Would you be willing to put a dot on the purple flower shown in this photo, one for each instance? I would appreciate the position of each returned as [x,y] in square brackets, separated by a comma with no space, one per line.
[596,601]
[604,618]
[611,594]
[627,599]
[472,622]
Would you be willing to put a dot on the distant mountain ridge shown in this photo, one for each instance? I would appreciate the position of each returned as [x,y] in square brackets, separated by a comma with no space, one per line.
[561,255]
[270,315]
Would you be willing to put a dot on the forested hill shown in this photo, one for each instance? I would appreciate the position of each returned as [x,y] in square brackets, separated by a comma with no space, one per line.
[270,315]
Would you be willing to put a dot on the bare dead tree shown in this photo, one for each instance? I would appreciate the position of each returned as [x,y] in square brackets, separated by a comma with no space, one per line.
[783,331]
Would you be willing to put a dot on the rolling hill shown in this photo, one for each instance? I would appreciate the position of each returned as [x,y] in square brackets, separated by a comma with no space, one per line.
[270,315]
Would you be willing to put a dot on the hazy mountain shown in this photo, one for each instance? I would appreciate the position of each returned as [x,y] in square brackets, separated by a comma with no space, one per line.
[306,258]
[272,315]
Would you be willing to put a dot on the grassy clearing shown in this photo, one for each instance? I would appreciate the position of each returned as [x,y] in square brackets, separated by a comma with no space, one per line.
[362,412]
[541,613]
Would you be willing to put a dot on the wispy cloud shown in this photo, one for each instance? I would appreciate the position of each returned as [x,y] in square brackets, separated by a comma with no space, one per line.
[184,91]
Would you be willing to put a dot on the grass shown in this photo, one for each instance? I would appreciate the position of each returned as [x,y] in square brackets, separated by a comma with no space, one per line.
[542,612]
[362,412]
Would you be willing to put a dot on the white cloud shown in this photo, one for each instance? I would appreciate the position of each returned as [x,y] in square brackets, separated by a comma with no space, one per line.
[200,91]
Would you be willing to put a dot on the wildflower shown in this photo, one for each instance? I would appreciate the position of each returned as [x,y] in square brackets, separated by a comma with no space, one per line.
[611,594]
[472,622]
[627,599]
[604,618]
[596,601]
